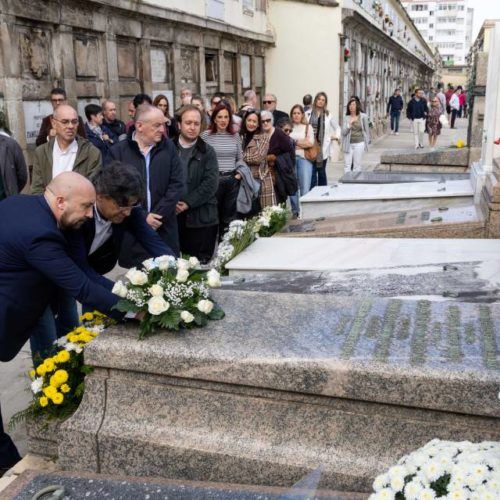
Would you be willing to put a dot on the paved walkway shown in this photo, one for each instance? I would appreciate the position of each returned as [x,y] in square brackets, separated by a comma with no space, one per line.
[402,141]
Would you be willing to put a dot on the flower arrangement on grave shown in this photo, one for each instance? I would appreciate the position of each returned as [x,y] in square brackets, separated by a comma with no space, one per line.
[57,382]
[171,293]
[459,144]
[241,234]
[444,469]
[347,54]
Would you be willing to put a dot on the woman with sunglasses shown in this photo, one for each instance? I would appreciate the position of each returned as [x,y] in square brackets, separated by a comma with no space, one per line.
[433,124]
[326,130]
[279,145]
[227,144]
[255,147]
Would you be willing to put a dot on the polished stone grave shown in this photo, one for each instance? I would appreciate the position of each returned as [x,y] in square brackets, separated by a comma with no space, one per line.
[346,199]
[394,177]
[285,384]
[98,487]
[375,254]
[440,222]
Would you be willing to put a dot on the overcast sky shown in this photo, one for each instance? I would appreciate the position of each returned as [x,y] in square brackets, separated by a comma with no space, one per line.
[483,9]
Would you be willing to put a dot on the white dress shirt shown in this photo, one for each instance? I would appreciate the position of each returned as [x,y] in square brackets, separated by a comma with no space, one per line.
[103,231]
[63,161]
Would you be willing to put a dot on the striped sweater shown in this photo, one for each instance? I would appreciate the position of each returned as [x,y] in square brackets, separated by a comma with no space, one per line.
[227,148]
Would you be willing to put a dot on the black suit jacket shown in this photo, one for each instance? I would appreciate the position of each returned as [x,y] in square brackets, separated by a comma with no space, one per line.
[34,263]
[166,184]
[105,257]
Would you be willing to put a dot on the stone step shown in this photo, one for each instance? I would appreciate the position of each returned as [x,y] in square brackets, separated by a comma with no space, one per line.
[285,384]
[350,199]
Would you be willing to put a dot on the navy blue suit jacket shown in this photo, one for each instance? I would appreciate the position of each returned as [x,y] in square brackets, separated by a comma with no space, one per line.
[34,263]
[105,257]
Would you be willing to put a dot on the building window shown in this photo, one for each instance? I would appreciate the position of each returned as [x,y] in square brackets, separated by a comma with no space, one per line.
[248,7]
[261,5]
[211,67]
[215,9]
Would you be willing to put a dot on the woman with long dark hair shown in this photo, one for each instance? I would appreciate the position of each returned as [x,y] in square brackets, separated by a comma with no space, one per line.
[161,102]
[227,144]
[255,147]
[355,136]
[326,130]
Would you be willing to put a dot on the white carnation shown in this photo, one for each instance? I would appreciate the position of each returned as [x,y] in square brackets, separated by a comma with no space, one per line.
[432,470]
[413,489]
[205,306]
[397,483]
[385,494]
[182,275]
[458,494]
[187,317]
[427,494]
[120,289]
[157,305]
[137,277]
[71,346]
[156,290]
[213,278]
[36,385]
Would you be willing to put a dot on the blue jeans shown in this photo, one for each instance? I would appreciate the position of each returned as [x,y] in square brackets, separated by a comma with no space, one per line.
[52,325]
[395,120]
[304,170]
[319,175]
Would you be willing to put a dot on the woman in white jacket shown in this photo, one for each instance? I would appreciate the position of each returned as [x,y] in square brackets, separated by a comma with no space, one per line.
[326,130]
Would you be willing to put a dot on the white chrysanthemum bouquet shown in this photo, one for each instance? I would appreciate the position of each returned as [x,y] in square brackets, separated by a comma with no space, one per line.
[444,469]
[171,293]
[242,233]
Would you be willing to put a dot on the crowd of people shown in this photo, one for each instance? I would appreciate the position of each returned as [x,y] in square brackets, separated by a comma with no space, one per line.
[428,111]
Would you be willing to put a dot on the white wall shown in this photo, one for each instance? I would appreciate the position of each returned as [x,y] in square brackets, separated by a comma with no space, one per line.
[306,59]
[233,12]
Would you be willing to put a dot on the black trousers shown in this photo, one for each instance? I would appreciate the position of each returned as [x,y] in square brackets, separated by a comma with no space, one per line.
[197,241]
[227,194]
[454,114]
[8,451]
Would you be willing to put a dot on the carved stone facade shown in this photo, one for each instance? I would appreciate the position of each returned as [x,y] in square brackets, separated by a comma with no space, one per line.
[97,50]
[381,53]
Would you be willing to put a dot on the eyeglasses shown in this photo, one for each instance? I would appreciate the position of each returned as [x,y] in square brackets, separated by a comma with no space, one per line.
[287,130]
[67,122]
[268,102]
[128,208]
[268,120]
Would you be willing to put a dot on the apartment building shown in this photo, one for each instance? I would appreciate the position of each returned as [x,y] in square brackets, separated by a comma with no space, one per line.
[445,25]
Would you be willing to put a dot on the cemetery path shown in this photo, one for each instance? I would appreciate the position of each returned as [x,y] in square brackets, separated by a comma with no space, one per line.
[402,141]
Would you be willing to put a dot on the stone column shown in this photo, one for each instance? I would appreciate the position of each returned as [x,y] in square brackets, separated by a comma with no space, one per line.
[203,75]
[145,66]
[492,102]
[176,80]
[112,91]
[65,36]
[12,83]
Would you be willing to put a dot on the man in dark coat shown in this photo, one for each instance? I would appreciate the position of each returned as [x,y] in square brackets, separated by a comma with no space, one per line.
[156,159]
[197,210]
[34,263]
[111,121]
[57,97]
[13,171]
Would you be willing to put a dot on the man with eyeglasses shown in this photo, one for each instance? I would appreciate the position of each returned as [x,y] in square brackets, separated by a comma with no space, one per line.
[47,131]
[155,158]
[270,102]
[65,152]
